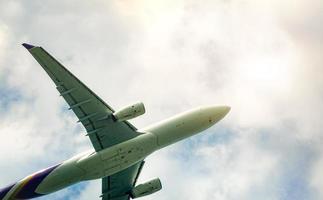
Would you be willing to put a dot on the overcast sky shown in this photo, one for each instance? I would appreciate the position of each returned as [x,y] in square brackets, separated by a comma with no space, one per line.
[263,58]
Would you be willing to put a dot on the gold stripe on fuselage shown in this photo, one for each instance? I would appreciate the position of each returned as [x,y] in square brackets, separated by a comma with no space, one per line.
[17,188]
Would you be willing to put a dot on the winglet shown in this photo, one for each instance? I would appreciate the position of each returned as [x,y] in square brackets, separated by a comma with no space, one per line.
[28,46]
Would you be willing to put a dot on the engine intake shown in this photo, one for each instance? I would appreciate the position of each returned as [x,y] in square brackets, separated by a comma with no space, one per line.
[145,189]
[129,112]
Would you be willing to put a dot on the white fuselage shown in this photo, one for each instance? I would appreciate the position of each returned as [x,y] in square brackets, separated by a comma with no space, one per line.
[94,165]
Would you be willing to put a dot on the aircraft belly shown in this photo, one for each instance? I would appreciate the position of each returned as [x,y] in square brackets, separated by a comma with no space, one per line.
[176,128]
[118,157]
[181,126]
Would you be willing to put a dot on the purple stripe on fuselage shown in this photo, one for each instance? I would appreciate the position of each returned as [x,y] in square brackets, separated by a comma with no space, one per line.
[5,190]
[28,190]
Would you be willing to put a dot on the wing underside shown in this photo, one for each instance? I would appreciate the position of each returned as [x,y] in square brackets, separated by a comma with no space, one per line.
[118,186]
[91,110]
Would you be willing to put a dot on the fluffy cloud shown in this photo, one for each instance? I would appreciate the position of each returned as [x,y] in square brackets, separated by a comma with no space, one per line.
[261,58]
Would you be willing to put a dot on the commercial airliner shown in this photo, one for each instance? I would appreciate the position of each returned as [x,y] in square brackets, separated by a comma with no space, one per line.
[119,148]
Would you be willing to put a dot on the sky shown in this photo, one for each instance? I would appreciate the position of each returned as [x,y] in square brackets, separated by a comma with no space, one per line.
[263,58]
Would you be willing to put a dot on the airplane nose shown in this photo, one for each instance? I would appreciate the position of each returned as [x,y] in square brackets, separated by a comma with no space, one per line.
[224,110]
[216,113]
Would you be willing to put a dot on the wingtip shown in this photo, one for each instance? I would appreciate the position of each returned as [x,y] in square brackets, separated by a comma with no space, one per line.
[28,46]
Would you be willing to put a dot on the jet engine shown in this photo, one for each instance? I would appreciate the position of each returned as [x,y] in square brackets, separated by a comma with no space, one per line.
[145,189]
[129,112]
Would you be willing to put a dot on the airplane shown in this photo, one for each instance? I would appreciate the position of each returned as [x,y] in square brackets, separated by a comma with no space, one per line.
[119,148]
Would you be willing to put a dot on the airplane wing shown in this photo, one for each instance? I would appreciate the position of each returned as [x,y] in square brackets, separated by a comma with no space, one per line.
[91,110]
[95,115]
[118,186]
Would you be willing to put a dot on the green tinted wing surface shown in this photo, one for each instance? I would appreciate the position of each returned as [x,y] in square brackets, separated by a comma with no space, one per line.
[119,185]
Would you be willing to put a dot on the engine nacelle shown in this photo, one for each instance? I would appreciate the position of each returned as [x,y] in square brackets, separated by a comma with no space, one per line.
[147,188]
[130,112]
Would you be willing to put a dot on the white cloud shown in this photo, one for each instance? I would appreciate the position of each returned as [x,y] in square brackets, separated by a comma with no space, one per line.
[262,58]
[317,177]
[3,41]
